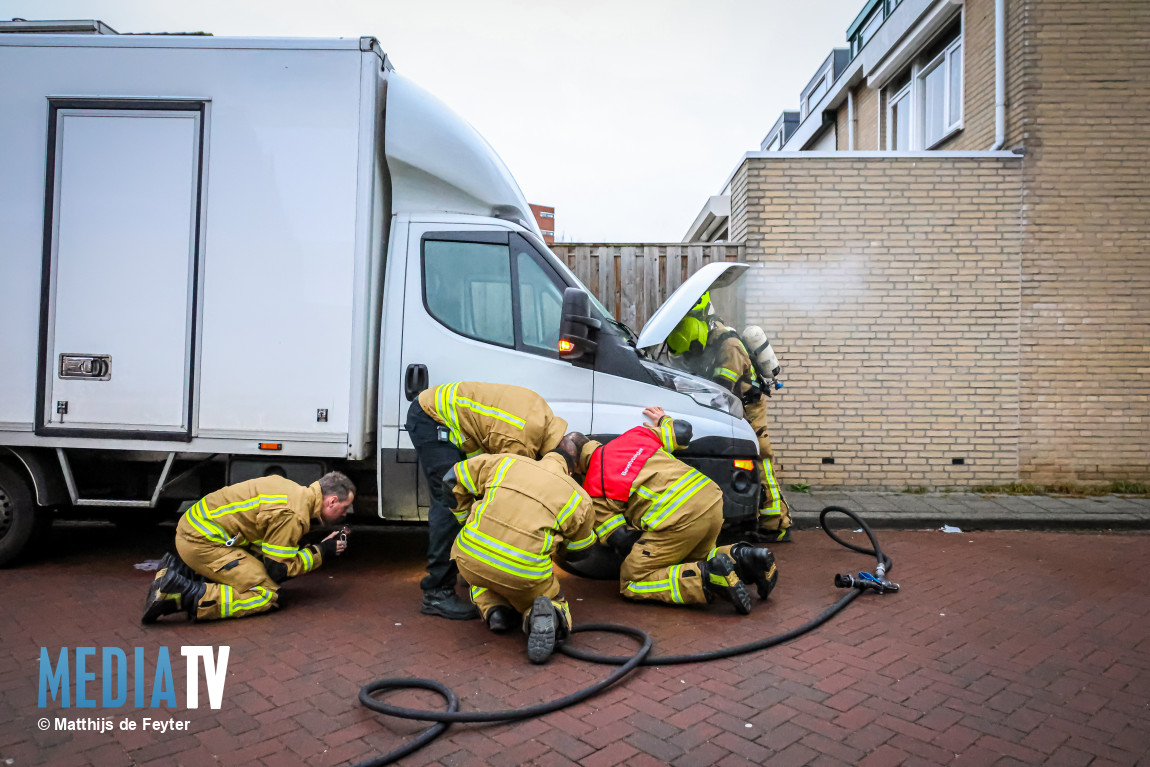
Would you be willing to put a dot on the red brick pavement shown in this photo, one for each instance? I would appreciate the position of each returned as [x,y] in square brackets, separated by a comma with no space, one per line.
[1002,648]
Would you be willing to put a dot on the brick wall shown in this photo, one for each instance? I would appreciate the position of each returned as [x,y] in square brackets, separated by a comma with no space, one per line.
[866,102]
[1085,106]
[890,288]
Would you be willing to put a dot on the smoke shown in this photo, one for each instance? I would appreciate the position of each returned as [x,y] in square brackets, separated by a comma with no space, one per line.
[810,287]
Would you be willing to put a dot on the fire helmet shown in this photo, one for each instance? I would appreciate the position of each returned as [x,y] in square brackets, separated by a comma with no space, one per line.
[689,332]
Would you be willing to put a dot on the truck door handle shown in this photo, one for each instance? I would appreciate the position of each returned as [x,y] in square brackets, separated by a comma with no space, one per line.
[414,380]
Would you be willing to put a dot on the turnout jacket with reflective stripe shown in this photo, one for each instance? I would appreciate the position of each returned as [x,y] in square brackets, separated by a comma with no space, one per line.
[267,516]
[517,511]
[665,493]
[494,418]
[730,363]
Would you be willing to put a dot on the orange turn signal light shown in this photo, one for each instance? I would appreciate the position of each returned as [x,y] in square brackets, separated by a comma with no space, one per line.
[271,446]
[743,463]
[565,346]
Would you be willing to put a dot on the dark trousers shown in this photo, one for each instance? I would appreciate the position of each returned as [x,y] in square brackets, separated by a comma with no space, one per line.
[436,458]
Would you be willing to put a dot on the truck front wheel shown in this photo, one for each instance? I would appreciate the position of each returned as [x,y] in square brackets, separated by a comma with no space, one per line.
[17,515]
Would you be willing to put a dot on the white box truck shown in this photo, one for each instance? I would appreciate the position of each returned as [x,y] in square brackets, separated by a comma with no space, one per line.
[223,258]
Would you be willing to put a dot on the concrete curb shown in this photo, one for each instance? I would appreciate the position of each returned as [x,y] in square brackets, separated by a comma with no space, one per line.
[970,511]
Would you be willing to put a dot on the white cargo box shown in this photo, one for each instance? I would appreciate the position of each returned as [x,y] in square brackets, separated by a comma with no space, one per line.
[194,226]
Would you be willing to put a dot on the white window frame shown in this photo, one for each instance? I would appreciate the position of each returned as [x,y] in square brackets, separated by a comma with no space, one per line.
[904,92]
[815,95]
[949,57]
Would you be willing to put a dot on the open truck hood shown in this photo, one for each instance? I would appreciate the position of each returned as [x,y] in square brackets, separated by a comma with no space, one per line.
[675,308]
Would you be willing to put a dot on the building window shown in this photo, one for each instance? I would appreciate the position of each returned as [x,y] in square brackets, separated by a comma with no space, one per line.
[940,83]
[545,214]
[924,107]
[898,120]
[866,31]
[776,143]
[817,92]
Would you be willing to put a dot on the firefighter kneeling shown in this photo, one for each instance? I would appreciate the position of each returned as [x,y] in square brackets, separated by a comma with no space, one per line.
[664,517]
[516,512]
[217,573]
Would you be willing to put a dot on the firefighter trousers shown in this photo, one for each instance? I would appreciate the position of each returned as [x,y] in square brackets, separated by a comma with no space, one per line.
[491,588]
[774,514]
[237,583]
[663,563]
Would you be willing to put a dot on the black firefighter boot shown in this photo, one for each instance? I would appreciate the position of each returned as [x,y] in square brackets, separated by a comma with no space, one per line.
[171,561]
[546,630]
[171,593]
[755,564]
[501,618]
[721,580]
[445,603]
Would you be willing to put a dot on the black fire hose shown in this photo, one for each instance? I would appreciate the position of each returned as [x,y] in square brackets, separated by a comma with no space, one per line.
[642,657]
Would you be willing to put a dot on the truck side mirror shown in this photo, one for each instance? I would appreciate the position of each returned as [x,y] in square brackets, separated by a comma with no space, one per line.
[577,328]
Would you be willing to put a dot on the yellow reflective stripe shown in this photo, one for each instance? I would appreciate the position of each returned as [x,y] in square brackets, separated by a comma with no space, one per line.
[232,508]
[649,587]
[209,530]
[689,484]
[605,529]
[773,502]
[546,542]
[464,476]
[225,599]
[261,598]
[643,492]
[460,516]
[569,509]
[668,433]
[525,558]
[281,552]
[578,545]
[493,412]
[489,492]
[683,498]
[308,559]
[673,577]
[470,544]
[445,406]
[726,373]
[476,591]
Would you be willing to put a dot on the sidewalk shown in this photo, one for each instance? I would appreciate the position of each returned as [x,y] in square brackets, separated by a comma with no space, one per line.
[973,511]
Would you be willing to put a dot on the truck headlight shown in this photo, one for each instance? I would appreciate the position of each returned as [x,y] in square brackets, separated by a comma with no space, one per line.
[702,391]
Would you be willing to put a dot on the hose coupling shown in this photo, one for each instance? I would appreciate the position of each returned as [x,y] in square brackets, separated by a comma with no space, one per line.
[865,581]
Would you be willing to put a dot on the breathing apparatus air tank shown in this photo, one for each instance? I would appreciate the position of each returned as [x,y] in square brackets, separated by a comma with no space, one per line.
[763,357]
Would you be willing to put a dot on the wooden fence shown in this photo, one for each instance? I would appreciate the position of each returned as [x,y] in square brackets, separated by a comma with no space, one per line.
[638,278]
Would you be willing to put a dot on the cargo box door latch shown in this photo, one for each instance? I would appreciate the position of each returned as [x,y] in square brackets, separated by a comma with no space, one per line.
[89,367]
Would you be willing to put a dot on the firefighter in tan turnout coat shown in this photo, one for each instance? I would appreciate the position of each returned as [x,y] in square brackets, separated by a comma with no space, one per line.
[732,368]
[516,512]
[455,421]
[712,350]
[243,541]
[664,517]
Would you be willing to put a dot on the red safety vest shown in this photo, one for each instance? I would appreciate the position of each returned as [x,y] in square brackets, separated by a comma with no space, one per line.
[614,466]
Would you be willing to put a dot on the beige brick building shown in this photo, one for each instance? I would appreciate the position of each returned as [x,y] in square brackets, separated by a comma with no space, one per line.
[951,247]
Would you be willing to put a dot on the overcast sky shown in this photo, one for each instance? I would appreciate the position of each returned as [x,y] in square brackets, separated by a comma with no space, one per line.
[625,115]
